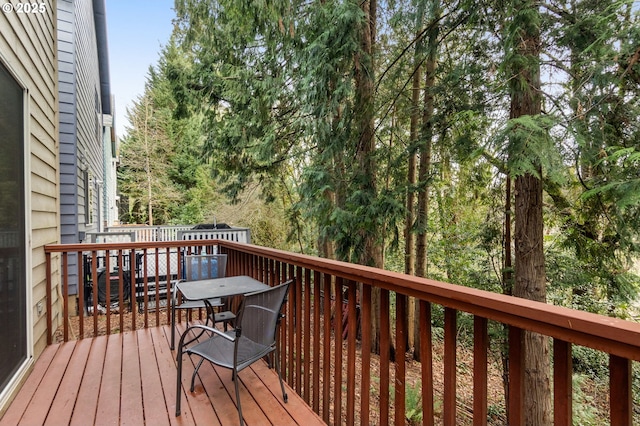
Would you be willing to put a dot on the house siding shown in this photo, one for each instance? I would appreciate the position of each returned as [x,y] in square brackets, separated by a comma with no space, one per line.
[80,119]
[81,127]
[28,49]
[88,110]
[68,156]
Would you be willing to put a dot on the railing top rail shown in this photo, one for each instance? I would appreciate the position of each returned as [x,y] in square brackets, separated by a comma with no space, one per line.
[125,245]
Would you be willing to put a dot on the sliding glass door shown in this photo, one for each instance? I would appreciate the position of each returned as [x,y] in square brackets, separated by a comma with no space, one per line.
[13,286]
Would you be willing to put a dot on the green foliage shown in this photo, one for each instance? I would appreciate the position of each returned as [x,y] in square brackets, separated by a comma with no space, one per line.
[263,97]
[162,175]
[590,362]
[529,146]
[413,403]
[584,413]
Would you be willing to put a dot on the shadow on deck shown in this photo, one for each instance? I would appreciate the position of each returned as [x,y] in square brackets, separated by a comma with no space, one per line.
[130,378]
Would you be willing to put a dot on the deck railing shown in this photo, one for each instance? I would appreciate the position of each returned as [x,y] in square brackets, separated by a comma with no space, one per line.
[327,375]
[144,233]
[152,233]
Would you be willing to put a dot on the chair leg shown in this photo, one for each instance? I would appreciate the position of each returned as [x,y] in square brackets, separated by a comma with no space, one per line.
[179,382]
[285,397]
[195,372]
[237,383]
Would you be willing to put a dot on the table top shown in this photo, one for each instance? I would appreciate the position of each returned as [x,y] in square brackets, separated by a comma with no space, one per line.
[219,287]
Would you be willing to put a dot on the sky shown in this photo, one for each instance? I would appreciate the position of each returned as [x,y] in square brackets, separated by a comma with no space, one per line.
[136,32]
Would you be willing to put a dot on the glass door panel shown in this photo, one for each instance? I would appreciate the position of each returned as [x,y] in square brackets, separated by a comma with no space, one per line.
[13,290]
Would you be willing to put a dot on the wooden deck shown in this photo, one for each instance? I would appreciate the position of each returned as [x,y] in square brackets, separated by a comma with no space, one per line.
[130,378]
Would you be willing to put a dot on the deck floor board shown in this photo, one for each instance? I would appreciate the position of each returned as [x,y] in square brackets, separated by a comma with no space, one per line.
[64,402]
[130,378]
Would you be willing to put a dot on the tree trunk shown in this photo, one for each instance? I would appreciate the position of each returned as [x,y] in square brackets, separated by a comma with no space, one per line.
[507,285]
[148,160]
[372,253]
[422,219]
[530,279]
[409,251]
[530,284]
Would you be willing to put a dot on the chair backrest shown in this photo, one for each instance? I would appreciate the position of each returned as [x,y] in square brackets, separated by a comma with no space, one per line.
[258,317]
[205,266]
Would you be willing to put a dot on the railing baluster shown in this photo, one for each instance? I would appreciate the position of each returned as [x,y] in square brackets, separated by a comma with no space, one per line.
[49,298]
[107,267]
[299,321]
[620,391]
[65,295]
[326,341]
[170,290]
[316,342]
[270,278]
[516,377]
[307,336]
[401,346]
[352,324]
[132,291]
[284,327]
[480,346]
[257,261]
[94,290]
[120,287]
[365,389]
[562,383]
[426,361]
[81,307]
[282,337]
[293,291]
[240,263]
[337,386]
[145,288]
[450,331]
[385,342]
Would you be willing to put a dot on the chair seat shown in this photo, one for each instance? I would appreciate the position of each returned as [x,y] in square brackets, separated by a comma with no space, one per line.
[195,304]
[219,351]
[224,316]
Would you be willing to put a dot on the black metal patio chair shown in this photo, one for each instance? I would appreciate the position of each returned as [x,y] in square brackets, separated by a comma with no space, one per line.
[254,337]
[202,267]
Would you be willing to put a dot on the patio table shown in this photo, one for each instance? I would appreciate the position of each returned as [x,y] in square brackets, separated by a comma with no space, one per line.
[213,288]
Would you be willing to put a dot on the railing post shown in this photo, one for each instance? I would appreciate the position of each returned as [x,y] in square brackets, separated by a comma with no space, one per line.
[81,306]
[516,377]
[337,376]
[351,351]
[385,343]
[316,342]
[480,346]
[426,361]
[65,296]
[450,331]
[562,383]
[49,300]
[365,391]
[620,391]
[401,345]
[306,333]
